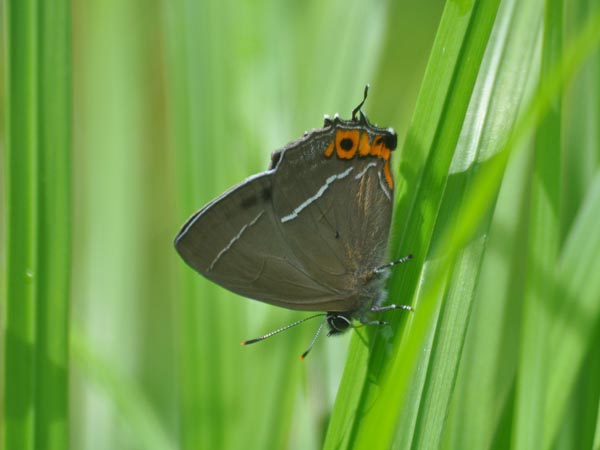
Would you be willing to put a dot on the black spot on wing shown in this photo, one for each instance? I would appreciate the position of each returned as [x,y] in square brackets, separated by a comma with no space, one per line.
[267,193]
[346,144]
[249,202]
[253,200]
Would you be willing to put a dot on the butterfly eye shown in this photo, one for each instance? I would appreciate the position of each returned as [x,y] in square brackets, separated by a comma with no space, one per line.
[338,323]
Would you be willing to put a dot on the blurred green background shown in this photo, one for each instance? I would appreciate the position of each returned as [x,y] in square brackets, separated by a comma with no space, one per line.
[174,101]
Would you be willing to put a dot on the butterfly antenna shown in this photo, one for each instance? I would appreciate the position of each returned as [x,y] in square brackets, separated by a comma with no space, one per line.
[279,330]
[393,263]
[313,340]
[357,109]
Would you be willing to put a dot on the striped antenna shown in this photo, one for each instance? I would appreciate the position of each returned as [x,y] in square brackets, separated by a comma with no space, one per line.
[279,330]
[313,341]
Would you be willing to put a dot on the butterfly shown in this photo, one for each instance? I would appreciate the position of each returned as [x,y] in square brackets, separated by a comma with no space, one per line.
[311,232]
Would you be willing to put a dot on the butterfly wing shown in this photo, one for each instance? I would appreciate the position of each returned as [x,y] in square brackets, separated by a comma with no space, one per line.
[236,242]
[300,235]
[336,216]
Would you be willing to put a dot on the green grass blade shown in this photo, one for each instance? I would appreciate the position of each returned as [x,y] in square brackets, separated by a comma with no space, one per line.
[544,244]
[444,98]
[21,230]
[38,230]
[573,325]
[54,222]
[485,375]
[497,97]
[596,444]
[572,59]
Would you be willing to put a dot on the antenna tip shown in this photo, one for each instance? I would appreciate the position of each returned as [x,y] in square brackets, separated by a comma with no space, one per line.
[303,355]
[243,343]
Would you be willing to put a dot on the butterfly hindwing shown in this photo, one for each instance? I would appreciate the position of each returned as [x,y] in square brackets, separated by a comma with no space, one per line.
[335,214]
[236,242]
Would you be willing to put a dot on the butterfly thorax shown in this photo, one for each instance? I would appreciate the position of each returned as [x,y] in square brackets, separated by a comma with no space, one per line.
[372,293]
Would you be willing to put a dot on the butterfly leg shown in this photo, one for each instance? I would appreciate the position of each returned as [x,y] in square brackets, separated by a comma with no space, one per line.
[382,269]
[390,307]
[377,309]
[374,322]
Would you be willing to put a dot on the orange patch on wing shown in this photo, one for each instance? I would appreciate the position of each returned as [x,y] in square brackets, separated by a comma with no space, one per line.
[377,146]
[364,148]
[346,143]
[330,149]
[388,174]
[385,155]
